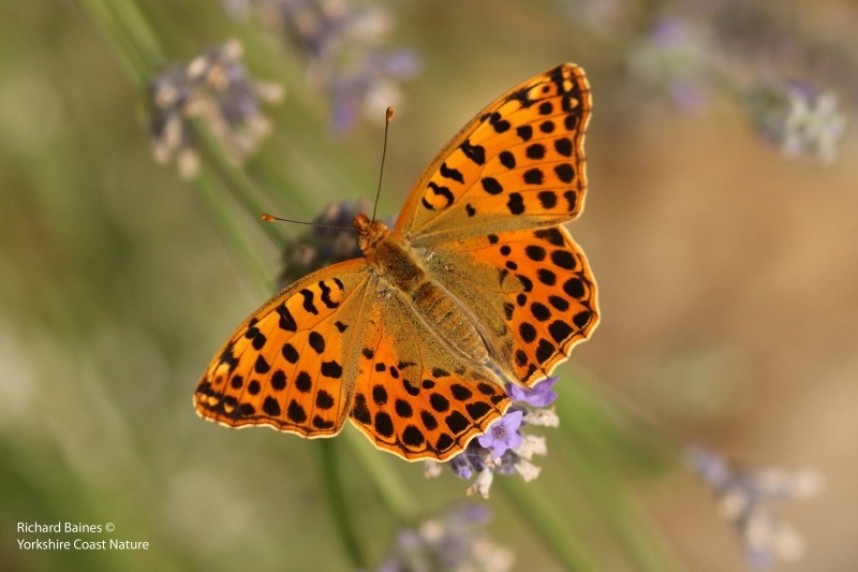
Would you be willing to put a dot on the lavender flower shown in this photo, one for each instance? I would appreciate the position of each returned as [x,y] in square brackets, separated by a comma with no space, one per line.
[454,542]
[216,88]
[673,56]
[506,448]
[329,240]
[747,497]
[540,395]
[799,118]
[752,51]
[503,435]
[344,48]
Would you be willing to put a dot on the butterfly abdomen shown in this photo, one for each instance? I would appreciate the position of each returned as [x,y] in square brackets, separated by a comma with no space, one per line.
[449,320]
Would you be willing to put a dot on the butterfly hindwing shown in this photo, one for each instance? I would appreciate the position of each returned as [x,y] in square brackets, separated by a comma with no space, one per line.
[536,283]
[413,397]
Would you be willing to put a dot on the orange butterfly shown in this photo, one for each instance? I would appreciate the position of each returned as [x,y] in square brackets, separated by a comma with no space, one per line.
[477,285]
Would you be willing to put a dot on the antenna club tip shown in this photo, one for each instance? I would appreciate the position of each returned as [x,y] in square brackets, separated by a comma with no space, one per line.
[389,113]
[267,217]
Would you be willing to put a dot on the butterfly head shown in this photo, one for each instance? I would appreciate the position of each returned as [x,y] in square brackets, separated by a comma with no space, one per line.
[369,232]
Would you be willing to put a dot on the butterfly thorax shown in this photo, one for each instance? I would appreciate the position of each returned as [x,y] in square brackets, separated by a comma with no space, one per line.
[369,233]
[402,272]
[388,253]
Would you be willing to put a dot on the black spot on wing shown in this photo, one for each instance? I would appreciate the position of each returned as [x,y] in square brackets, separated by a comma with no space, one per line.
[563,146]
[461,392]
[450,173]
[379,394]
[261,365]
[271,407]
[564,259]
[535,151]
[499,124]
[412,436]
[289,353]
[560,331]
[475,153]
[324,400]
[544,350]
[303,382]
[478,409]
[548,199]
[295,412]
[491,185]
[360,411]
[443,192]
[320,423]
[552,235]
[456,422]
[309,304]
[581,319]
[332,369]
[515,203]
[317,342]
[533,176]
[287,321]
[383,424]
[444,442]
[507,159]
[278,380]
[227,357]
[326,296]
[565,172]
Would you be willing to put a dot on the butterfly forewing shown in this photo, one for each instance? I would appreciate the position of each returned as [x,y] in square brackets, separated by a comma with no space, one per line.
[518,164]
[291,364]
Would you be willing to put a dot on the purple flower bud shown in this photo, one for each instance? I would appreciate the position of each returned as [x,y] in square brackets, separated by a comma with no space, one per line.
[539,395]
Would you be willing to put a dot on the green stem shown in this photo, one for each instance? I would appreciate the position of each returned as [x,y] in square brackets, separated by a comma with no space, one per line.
[123,26]
[592,431]
[554,530]
[339,502]
[237,239]
[242,188]
[390,487]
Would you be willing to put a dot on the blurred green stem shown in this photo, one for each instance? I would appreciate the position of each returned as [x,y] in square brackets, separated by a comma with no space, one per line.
[531,505]
[339,502]
[589,426]
[124,26]
[397,497]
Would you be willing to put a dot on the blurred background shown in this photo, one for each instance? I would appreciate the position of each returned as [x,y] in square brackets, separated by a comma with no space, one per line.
[139,141]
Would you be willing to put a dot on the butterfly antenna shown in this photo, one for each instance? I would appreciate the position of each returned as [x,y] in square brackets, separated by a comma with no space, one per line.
[387,117]
[269,218]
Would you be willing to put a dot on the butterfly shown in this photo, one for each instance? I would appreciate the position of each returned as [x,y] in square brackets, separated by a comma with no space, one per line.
[477,285]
